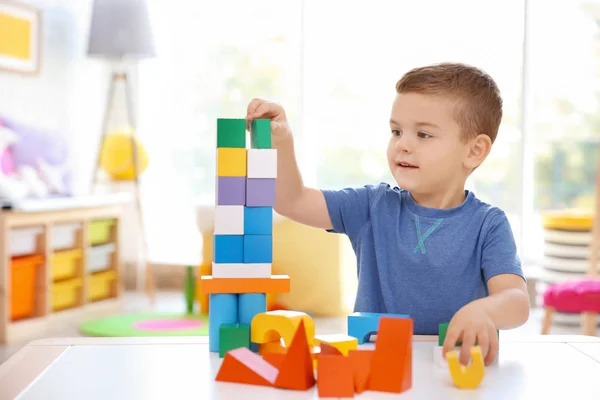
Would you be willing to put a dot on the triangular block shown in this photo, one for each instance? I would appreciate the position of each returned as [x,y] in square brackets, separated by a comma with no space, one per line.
[329,349]
[296,371]
[335,377]
[275,359]
[391,369]
[362,360]
[243,366]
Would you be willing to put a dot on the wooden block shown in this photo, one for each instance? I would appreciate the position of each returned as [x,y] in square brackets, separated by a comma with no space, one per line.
[258,249]
[231,132]
[260,134]
[229,220]
[362,360]
[335,376]
[344,343]
[271,347]
[296,371]
[260,192]
[466,377]
[274,284]
[362,325]
[391,369]
[328,349]
[228,249]
[258,220]
[231,162]
[241,270]
[275,359]
[249,305]
[243,366]
[233,336]
[231,190]
[223,310]
[262,163]
[273,325]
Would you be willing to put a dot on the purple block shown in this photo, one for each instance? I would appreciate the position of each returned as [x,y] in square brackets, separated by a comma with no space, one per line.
[260,192]
[231,191]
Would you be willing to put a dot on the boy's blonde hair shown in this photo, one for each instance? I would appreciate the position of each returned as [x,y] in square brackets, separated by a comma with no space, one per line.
[480,109]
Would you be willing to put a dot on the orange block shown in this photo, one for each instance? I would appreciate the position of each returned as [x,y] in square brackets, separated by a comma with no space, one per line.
[275,359]
[361,364]
[243,366]
[329,350]
[391,369]
[271,347]
[296,371]
[274,284]
[335,377]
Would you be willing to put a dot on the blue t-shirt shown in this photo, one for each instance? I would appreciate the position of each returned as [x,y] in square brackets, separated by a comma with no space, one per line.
[424,262]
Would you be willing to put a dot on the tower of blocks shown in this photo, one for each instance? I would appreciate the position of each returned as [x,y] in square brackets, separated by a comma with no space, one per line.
[243,233]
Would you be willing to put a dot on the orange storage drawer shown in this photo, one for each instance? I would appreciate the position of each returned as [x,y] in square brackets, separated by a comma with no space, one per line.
[23,275]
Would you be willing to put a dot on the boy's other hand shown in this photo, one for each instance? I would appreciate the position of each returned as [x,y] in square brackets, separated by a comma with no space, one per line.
[470,324]
[260,108]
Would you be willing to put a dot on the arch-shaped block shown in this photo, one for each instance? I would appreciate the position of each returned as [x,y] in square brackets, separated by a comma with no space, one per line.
[270,326]
[466,377]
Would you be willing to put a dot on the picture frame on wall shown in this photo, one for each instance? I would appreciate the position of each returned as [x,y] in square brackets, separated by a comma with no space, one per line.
[20,38]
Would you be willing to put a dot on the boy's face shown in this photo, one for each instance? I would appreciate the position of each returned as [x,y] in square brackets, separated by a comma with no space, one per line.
[425,152]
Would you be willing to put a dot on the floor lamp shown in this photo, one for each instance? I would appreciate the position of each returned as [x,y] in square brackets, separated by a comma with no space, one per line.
[120,33]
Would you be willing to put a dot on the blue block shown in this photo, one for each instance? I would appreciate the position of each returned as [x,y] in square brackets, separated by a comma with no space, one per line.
[258,220]
[258,249]
[223,309]
[228,249]
[250,304]
[362,325]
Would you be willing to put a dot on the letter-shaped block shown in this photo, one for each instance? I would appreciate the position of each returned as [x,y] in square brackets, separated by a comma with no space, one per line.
[260,192]
[231,132]
[228,249]
[296,371]
[274,347]
[262,163]
[335,377]
[466,377]
[258,249]
[231,162]
[361,362]
[362,325]
[258,220]
[231,191]
[273,325]
[243,366]
[223,310]
[233,336]
[229,220]
[391,369]
[223,270]
[343,343]
[260,134]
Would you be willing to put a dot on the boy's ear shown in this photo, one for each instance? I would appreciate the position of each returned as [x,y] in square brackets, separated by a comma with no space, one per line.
[479,148]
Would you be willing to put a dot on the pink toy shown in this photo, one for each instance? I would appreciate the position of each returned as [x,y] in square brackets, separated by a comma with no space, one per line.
[574,296]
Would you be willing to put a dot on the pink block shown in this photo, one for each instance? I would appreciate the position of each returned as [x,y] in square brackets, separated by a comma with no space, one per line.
[574,296]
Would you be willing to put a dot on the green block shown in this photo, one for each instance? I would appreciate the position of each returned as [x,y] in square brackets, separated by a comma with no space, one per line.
[233,336]
[260,134]
[443,328]
[231,132]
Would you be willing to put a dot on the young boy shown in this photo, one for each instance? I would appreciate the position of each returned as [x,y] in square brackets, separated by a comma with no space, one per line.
[427,248]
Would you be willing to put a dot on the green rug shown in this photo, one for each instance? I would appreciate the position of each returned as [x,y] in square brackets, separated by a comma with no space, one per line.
[147,324]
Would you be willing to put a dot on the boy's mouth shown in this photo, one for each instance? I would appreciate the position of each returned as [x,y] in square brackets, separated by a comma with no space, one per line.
[403,164]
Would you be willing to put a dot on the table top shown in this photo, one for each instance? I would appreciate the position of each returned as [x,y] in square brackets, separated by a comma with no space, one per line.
[183,368]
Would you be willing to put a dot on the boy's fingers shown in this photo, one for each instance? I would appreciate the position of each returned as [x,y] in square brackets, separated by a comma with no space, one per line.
[467,342]
[253,105]
[264,110]
[493,352]
[452,337]
[483,340]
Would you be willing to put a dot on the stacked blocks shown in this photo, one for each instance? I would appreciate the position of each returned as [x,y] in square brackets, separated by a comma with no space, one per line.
[243,234]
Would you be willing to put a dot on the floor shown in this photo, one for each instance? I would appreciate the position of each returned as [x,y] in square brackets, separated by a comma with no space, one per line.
[174,302]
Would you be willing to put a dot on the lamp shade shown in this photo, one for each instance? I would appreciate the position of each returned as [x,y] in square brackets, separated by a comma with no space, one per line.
[120,29]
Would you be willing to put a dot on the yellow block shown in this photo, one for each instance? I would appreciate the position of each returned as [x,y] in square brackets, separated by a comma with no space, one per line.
[569,220]
[343,343]
[231,162]
[270,326]
[466,377]
[15,37]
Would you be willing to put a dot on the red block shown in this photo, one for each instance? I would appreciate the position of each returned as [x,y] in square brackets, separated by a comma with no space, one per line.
[243,366]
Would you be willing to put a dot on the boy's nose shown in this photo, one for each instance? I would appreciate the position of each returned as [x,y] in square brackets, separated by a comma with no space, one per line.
[402,145]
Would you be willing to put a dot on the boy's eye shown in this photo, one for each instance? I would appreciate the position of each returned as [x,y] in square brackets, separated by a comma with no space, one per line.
[424,135]
[396,132]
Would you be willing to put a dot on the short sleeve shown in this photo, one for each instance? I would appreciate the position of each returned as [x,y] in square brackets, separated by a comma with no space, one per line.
[499,253]
[349,208]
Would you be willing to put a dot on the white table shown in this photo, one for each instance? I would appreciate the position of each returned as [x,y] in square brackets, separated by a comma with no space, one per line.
[183,368]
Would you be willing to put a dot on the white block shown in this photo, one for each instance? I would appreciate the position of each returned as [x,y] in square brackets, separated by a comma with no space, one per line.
[262,163]
[222,270]
[229,220]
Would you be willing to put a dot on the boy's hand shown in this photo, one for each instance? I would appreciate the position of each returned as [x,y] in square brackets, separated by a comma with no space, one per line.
[471,323]
[260,108]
